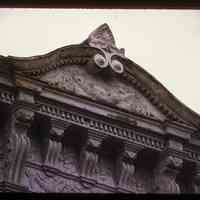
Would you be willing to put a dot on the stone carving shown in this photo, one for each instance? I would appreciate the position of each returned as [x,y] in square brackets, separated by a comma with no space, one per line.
[113,91]
[37,181]
[89,166]
[127,171]
[102,38]
[107,60]
[165,175]
[127,174]
[19,144]
[53,147]
[53,153]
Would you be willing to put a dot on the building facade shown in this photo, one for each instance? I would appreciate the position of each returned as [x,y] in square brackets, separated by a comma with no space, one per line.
[86,119]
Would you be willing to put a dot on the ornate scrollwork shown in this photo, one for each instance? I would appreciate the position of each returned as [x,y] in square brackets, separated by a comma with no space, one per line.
[37,181]
[102,39]
[117,66]
[100,61]
[105,60]
[18,145]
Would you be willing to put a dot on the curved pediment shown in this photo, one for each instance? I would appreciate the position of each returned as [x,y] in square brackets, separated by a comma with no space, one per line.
[98,70]
[103,88]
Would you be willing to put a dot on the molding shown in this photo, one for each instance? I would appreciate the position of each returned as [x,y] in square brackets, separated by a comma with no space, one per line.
[134,79]
[83,53]
[101,126]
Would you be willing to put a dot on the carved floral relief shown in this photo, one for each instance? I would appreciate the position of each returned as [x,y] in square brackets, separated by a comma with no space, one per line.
[38,181]
[116,92]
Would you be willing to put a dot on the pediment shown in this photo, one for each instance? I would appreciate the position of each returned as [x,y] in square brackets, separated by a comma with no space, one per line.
[105,87]
[98,70]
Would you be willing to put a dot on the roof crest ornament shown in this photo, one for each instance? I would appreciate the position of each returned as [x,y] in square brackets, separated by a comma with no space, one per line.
[102,38]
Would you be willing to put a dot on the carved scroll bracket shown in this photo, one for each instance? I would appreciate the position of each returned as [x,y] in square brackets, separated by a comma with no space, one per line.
[90,159]
[53,148]
[105,59]
[165,174]
[127,169]
[18,144]
[102,39]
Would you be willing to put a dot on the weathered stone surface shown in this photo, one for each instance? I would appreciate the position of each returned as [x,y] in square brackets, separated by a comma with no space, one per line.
[113,91]
[68,161]
[62,138]
[103,38]
[165,175]
[38,181]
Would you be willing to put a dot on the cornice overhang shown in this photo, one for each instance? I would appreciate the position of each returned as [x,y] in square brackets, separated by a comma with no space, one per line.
[84,53]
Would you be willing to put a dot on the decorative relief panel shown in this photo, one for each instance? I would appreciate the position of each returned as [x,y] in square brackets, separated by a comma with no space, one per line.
[110,90]
[37,181]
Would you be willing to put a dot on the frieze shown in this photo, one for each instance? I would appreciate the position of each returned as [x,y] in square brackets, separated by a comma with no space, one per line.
[39,182]
[109,129]
[99,72]
[100,126]
[120,94]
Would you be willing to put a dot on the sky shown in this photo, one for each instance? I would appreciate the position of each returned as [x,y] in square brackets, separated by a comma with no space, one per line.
[166,43]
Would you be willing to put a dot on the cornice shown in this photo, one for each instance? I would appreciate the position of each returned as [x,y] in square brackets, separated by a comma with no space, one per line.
[84,54]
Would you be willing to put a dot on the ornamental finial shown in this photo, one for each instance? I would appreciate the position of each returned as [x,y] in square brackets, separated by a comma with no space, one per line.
[102,38]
